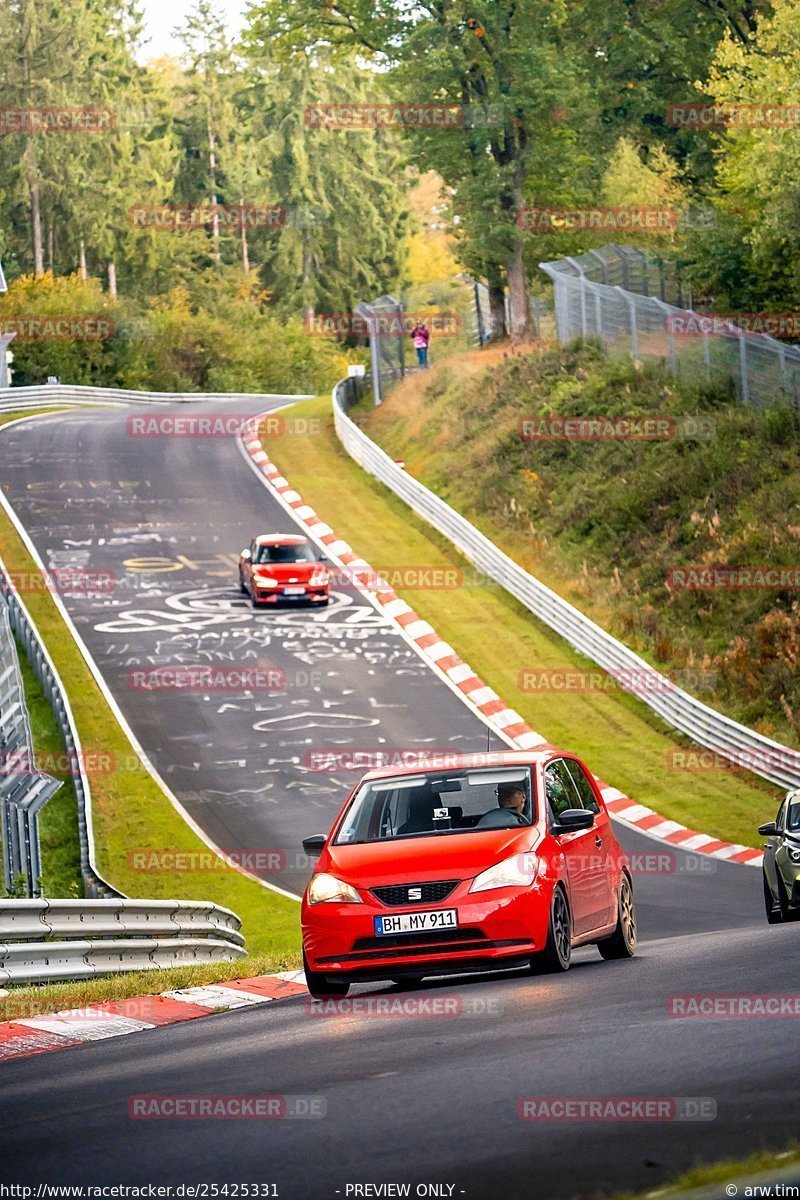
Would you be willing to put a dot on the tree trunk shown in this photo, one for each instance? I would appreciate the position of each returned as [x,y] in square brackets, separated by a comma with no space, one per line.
[212,171]
[82,268]
[112,279]
[36,228]
[28,46]
[515,269]
[518,295]
[50,248]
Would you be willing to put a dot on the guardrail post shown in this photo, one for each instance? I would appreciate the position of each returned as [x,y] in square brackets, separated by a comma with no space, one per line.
[743,375]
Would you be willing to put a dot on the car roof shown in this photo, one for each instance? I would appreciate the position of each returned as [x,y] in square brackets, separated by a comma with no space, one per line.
[280,539]
[456,761]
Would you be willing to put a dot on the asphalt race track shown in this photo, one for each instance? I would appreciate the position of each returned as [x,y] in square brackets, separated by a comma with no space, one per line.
[169,517]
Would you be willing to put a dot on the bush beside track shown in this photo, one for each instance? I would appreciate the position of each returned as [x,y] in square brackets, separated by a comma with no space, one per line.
[619,737]
[130,809]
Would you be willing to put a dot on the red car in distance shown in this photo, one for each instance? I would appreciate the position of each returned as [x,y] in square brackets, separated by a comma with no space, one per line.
[500,860]
[283,567]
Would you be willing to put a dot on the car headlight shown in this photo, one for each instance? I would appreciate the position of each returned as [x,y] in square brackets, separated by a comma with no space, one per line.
[318,578]
[266,580]
[794,856]
[517,871]
[325,889]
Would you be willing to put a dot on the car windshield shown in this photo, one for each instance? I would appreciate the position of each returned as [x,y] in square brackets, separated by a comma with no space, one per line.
[793,817]
[436,803]
[282,553]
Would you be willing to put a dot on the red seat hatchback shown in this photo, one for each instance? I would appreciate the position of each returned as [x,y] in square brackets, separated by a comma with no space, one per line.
[470,863]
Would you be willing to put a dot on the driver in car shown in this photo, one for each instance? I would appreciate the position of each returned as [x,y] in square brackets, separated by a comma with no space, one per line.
[512,796]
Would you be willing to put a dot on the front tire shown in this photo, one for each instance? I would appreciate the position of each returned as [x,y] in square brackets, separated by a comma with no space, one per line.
[622,943]
[777,910]
[322,987]
[557,954]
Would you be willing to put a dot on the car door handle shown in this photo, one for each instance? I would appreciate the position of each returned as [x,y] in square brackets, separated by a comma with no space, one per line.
[598,841]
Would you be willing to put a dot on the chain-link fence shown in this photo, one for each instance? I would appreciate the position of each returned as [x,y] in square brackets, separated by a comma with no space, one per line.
[384,321]
[620,297]
[459,318]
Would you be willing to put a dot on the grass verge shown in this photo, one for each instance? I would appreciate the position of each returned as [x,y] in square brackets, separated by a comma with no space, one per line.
[6,418]
[617,735]
[759,1165]
[129,808]
[56,997]
[619,525]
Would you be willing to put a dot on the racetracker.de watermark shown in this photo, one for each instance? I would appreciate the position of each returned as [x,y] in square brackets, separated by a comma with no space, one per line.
[784,325]
[151,860]
[370,759]
[226,1108]
[57,762]
[636,428]
[67,581]
[416,577]
[718,1006]
[643,1109]
[733,579]
[726,116]
[174,218]
[205,678]
[53,119]
[44,328]
[406,1007]
[403,116]
[220,425]
[761,761]
[639,680]
[388,324]
[652,862]
[536,219]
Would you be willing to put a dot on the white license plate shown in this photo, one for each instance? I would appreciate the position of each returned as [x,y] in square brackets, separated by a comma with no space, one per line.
[417,922]
[292,591]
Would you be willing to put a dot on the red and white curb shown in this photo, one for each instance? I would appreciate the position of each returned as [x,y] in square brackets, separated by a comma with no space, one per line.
[113,1018]
[459,675]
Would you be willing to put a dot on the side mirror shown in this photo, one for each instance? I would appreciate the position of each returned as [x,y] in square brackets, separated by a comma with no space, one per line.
[768,830]
[322,558]
[314,845]
[575,818]
[245,555]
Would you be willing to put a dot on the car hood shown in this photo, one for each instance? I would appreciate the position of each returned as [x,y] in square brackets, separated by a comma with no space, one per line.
[443,856]
[286,572]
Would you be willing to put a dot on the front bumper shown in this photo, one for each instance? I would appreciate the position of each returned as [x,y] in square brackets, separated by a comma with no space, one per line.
[277,595]
[498,926]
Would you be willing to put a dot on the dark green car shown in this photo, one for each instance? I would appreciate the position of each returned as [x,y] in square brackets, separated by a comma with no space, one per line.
[782,861]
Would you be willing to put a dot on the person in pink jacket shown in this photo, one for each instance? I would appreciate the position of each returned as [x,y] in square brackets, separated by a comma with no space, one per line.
[420,335]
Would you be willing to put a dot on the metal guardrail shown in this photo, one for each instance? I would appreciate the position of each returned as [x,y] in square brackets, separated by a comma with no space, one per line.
[744,747]
[57,394]
[19,620]
[24,791]
[42,940]
[608,294]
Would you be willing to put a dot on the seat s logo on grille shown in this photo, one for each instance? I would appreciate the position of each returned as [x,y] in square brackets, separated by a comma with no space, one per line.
[415,893]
